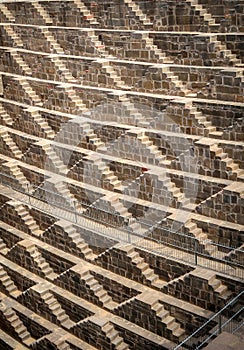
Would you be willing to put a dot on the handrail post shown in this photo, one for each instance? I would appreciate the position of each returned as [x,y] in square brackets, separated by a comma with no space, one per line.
[220,324]
[195,250]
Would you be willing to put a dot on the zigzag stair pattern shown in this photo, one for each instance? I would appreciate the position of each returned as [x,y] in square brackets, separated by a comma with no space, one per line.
[138,12]
[5,11]
[42,12]
[10,145]
[14,37]
[87,15]
[8,284]
[15,324]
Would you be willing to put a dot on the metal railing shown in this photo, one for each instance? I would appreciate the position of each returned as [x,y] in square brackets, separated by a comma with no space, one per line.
[229,319]
[182,246]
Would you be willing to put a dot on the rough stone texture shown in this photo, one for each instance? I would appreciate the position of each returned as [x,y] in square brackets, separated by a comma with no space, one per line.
[124,122]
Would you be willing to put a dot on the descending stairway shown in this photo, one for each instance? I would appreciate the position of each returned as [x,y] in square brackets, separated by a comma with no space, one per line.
[96,43]
[223,52]
[40,122]
[62,188]
[15,324]
[5,11]
[15,171]
[202,126]
[148,274]
[79,106]
[144,149]
[163,316]
[56,163]
[134,117]
[97,289]
[16,40]
[8,284]
[138,12]
[3,248]
[82,134]
[57,313]
[149,45]
[79,243]
[97,172]
[226,161]
[5,117]
[27,89]
[41,264]
[26,70]
[181,88]
[10,144]
[85,11]
[207,17]
[115,339]
[161,189]
[54,45]
[110,71]
[42,12]
[61,67]
[25,217]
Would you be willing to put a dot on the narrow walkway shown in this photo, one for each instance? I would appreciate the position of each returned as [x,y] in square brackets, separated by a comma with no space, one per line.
[122,235]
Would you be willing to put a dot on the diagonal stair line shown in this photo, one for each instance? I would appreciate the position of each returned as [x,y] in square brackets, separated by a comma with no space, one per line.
[5,11]
[85,11]
[138,12]
[42,12]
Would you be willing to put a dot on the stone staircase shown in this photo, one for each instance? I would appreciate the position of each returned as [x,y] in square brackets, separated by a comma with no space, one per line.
[97,172]
[34,113]
[79,106]
[14,323]
[180,88]
[133,116]
[226,161]
[96,43]
[8,15]
[148,44]
[97,289]
[87,15]
[108,69]
[3,247]
[57,314]
[116,341]
[207,17]
[147,273]
[12,169]
[10,145]
[219,288]
[62,188]
[201,126]
[39,262]
[16,57]
[54,45]
[172,326]
[82,135]
[223,52]
[138,12]
[144,149]
[22,213]
[8,284]
[29,92]
[5,118]
[53,160]
[42,12]
[78,242]
[61,67]
[156,186]
[110,204]
[14,37]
